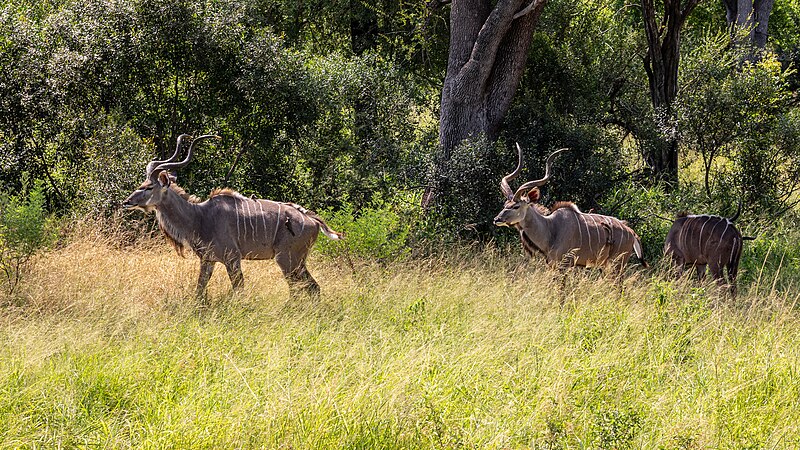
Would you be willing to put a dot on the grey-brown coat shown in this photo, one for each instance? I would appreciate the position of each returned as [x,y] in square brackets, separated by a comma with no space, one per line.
[706,241]
[567,236]
[229,227]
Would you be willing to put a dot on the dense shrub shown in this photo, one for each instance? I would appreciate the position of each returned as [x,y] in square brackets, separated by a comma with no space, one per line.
[25,229]
[115,161]
[772,260]
[644,210]
[467,191]
[379,232]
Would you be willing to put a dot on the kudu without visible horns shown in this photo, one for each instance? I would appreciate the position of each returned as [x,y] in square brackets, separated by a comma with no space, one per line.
[229,227]
[566,237]
[705,240]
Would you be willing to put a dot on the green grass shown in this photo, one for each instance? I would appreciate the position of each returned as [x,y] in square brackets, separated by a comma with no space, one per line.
[105,348]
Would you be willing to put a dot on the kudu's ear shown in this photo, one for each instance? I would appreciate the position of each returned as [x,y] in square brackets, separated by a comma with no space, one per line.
[164,178]
[533,195]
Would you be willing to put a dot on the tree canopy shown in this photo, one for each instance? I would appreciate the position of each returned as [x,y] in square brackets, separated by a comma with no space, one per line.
[343,103]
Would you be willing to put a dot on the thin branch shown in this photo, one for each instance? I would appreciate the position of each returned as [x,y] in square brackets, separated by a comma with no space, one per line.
[526,10]
[233,166]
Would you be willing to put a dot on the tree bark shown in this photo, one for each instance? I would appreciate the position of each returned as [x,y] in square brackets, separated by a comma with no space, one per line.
[487,54]
[661,64]
[753,16]
[488,49]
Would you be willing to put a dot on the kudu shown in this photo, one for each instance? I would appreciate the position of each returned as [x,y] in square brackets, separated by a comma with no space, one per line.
[567,236]
[229,227]
[705,240]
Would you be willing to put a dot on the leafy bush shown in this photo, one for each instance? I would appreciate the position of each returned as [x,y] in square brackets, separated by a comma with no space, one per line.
[115,162]
[380,232]
[772,260]
[25,228]
[740,120]
[467,192]
[643,208]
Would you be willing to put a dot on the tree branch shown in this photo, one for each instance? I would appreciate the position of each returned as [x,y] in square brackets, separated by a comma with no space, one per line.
[528,9]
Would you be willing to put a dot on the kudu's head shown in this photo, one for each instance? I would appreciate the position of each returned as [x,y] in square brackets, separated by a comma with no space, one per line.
[158,177]
[518,204]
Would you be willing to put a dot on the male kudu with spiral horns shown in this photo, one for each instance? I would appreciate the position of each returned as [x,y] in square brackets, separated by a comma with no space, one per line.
[566,237]
[229,227]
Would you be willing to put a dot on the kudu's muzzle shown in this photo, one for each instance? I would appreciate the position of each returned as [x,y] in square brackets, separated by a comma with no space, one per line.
[499,222]
[127,204]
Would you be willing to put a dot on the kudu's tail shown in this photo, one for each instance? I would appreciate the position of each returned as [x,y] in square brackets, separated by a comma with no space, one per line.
[326,230]
[637,248]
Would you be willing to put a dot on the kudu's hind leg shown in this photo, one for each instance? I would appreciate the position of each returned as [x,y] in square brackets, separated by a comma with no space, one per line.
[297,275]
[234,268]
[716,273]
[733,270]
[701,271]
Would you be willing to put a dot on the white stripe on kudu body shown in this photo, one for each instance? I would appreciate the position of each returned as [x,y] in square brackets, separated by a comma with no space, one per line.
[733,249]
[248,216]
[700,236]
[599,242]
[684,230]
[236,212]
[580,233]
[251,211]
[722,236]
[588,233]
[277,225]
[263,216]
[704,247]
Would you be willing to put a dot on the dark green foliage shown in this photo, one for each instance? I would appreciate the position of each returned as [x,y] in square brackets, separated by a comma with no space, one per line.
[295,125]
[739,118]
[570,98]
[644,210]
[468,191]
[771,261]
[115,162]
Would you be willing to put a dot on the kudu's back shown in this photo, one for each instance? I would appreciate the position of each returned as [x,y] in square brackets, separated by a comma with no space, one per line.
[704,239]
[264,229]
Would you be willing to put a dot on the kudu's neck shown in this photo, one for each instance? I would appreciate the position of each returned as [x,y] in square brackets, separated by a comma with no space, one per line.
[177,215]
[537,228]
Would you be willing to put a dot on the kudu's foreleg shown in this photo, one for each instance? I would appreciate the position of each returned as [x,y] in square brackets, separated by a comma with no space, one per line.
[206,270]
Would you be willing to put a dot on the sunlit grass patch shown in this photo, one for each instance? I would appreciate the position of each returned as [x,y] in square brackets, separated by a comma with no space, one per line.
[106,347]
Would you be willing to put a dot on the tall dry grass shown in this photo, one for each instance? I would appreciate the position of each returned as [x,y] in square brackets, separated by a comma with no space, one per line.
[105,347]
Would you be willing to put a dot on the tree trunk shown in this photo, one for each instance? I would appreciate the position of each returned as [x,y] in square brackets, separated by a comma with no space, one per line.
[762,10]
[488,48]
[753,16]
[661,64]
